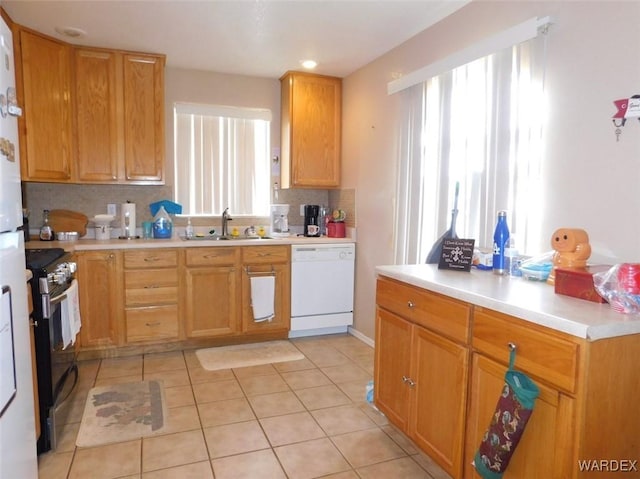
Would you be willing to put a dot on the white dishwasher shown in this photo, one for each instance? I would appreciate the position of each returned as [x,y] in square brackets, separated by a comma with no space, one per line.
[322,280]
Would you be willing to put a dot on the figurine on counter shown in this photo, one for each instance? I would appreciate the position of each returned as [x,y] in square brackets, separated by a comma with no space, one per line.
[572,250]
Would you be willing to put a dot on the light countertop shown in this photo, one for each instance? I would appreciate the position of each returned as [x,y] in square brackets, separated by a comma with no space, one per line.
[176,242]
[529,300]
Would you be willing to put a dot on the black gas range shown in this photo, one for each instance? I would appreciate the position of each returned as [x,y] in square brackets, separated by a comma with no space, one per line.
[53,274]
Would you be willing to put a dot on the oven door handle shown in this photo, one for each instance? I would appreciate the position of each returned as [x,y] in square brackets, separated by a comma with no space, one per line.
[48,302]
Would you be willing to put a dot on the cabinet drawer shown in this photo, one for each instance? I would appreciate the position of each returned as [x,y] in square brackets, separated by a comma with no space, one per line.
[148,324]
[151,278]
[431,310]
[149,258]
[151,296]
[542,352]
[211,256]
[265,254]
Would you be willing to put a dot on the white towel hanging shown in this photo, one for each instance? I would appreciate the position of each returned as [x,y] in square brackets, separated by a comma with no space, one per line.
[70,315]
[262,297]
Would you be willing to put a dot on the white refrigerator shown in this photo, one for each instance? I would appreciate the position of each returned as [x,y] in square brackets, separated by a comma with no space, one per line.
[17,421]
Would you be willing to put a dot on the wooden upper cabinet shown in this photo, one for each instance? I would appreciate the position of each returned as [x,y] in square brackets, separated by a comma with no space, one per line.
[90,115]
[120,116]
[143,92]
[44,91]
[311,130]
[96,115]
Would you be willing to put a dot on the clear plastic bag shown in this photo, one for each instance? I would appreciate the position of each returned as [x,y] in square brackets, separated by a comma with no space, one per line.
[620,286]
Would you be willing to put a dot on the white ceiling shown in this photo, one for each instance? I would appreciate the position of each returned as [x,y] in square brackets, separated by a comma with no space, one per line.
[261,38]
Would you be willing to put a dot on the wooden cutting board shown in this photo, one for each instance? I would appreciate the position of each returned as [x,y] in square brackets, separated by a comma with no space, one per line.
[67,220]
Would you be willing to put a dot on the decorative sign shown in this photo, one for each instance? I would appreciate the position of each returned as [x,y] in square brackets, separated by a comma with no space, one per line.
[457,254]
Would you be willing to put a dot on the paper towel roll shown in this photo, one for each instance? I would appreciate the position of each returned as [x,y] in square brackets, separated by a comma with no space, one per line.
[128,220]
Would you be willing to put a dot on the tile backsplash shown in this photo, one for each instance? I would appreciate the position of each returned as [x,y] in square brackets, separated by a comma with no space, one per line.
[93,199]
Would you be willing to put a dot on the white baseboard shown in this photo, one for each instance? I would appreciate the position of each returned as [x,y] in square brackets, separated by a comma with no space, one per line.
[362,337]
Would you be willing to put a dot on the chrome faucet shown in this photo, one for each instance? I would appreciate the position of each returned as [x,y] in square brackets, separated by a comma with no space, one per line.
[225,220]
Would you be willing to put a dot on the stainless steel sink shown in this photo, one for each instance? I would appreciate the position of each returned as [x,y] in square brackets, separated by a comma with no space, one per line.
[226,238]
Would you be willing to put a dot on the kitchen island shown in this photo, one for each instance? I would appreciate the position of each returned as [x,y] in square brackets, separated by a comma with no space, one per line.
[443,342]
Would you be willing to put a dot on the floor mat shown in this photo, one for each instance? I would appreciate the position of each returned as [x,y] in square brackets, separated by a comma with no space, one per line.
[121,412]
[243,355]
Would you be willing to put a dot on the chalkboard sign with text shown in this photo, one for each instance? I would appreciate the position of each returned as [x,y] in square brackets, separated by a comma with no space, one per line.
[457,254]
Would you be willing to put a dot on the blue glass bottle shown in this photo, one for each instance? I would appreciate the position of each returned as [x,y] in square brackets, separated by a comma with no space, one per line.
[500,242]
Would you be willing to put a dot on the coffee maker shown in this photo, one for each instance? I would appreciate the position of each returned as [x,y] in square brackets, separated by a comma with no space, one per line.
[311,225]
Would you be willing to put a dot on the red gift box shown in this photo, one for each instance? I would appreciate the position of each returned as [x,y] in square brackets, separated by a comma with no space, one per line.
[578,282]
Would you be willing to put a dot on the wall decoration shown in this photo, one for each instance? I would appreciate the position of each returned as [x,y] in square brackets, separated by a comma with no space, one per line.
[627,108]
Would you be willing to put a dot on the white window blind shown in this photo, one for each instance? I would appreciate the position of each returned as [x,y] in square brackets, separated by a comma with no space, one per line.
[479,125]
[221,157]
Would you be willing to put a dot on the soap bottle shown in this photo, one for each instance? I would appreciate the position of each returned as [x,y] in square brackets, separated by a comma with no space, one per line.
[162,224]
[500,242]
[188,231]
[46,231]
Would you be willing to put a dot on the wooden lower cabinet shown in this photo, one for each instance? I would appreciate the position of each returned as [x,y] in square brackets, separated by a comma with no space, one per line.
[151,296]
[259,261]
[100,290]
[545,448]
[584,415]
[212,292]
[421,382]
[392,365]
[151,299]
[437,420]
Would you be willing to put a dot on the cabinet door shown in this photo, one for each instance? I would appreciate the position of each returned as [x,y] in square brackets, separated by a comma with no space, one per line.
[96,115]
[282,301]
[143,93]
[311,129]
[101,302]
[546,446]
[212,299]
[46,151]
[437,419]
[392,366]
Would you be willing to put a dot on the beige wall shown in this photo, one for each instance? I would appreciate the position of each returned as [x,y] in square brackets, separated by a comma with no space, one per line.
[591,181]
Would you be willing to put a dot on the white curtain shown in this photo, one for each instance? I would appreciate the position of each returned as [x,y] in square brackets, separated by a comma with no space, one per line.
[221,160]
[479,126]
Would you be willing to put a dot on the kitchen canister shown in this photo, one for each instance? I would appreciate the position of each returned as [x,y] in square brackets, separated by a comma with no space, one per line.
[103,232]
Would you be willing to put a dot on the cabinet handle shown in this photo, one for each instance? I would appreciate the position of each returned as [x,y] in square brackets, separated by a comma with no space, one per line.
[512,346]
[157,323]
[151,259]
[152,286]
[410,304]
[408,381]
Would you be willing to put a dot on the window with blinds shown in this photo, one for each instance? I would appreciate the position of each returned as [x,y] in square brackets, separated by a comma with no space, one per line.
[221,158]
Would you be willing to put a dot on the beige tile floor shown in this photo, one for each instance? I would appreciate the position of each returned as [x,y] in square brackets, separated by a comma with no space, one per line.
[300,419]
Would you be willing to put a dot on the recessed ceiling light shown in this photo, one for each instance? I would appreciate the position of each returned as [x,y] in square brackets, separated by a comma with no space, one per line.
[309,64]
[71,32]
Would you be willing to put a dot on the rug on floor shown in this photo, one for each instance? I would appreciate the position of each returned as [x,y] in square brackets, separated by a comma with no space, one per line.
[122,412]
[244,355]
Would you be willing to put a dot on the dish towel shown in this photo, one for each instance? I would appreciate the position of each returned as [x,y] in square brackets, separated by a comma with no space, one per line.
[70,315]
[262,297]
